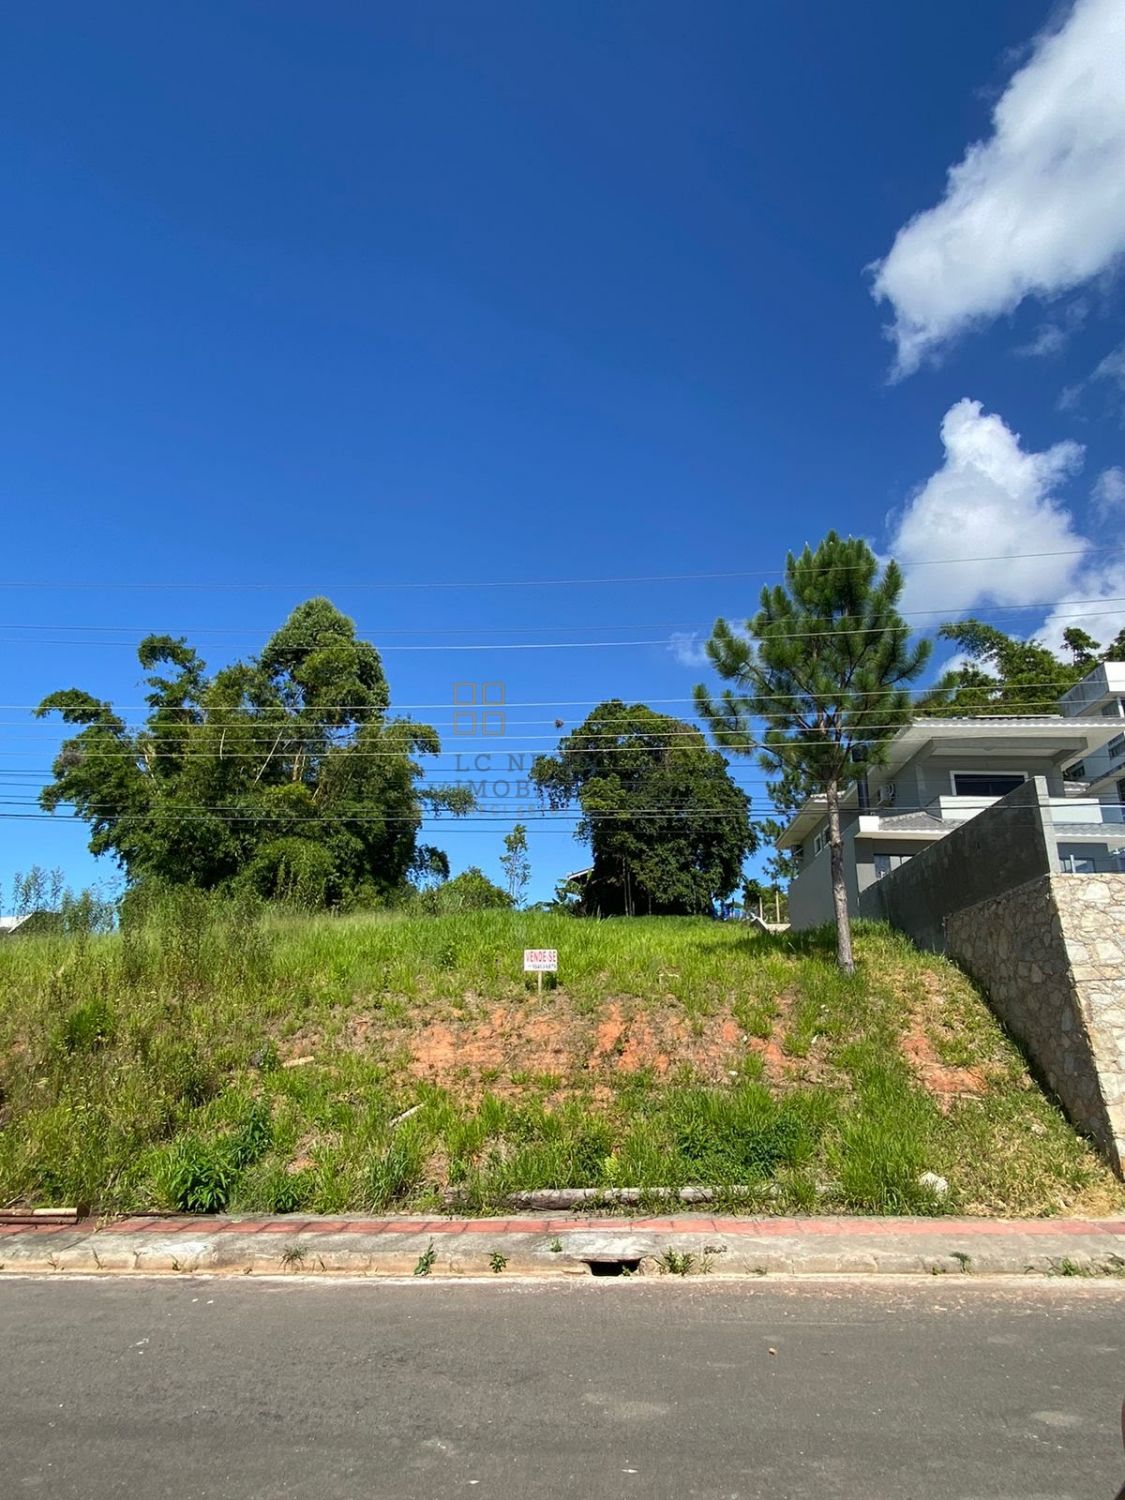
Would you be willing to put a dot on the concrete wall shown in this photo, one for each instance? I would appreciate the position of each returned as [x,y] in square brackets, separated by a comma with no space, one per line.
[1004,846]
[1050,954]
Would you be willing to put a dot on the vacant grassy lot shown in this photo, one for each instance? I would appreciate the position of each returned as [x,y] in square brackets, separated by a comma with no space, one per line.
[215,1059]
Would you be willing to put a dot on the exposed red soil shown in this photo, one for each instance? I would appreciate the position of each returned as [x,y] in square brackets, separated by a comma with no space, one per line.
[476,1052]
[944,1081]
[497,1047]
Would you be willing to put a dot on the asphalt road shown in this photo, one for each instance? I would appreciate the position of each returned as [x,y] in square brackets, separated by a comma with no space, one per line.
[338,1390]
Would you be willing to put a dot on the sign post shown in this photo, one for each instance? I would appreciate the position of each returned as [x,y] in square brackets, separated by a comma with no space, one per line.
[540,961]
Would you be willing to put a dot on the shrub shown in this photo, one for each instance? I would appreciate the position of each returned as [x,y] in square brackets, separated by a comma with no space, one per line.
[88,1026]
[397,1169]
[196,1176]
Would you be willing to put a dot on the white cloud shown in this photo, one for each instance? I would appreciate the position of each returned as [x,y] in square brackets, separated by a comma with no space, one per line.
[689,648]
[1112,366]
[1037,208]
[991,499]
[1052,338]
[1049,339]
[1109,490]
[1094,604]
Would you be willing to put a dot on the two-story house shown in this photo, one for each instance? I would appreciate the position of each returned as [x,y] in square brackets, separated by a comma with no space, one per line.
[1101,694]
[940,772]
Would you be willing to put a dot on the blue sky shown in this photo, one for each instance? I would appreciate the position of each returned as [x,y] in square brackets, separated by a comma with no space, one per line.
[353,299]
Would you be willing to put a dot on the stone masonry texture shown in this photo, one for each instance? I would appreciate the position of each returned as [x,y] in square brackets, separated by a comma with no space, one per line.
[1050,955]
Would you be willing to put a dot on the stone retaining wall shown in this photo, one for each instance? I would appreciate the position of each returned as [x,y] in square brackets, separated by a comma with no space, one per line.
[1050,954]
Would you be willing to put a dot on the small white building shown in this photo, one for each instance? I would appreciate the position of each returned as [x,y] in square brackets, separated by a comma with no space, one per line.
[34,921]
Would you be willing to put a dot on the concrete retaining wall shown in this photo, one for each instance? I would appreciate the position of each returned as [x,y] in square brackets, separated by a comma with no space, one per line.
[1050,954]
[1004,846]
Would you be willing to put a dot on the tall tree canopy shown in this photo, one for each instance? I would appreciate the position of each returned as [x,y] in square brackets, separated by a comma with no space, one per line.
[667,826]
[824,663]
[1002,674]
[281,773]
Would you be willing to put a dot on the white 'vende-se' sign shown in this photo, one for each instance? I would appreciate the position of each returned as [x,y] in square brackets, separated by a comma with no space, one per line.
[540,960]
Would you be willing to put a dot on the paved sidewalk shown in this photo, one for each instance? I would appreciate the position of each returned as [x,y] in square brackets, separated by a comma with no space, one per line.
[569,1246]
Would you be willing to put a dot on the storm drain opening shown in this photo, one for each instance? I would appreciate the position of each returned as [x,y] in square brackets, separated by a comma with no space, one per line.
[614,1267]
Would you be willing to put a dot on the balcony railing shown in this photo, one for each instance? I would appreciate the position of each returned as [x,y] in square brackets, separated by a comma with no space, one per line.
[1068,809]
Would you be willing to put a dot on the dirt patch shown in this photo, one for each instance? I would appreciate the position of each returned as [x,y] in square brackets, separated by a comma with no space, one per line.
[775,1064]
[779,1069]
[480,1053]
[501,1050]
[944,1081]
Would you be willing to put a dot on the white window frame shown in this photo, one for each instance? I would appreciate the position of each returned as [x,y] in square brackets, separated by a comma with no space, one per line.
[953,775]
[889,855]
[820,842]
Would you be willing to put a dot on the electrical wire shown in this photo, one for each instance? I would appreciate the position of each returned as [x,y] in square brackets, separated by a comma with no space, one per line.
[517,583]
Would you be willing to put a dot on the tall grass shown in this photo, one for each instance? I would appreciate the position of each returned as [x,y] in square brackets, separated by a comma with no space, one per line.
[148,1068]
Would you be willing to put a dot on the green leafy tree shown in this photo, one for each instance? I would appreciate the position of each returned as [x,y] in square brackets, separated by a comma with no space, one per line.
[281,774]
[1082,647]
[824,663]
[667,826]
[1003,674]
[516,864]
[470,891]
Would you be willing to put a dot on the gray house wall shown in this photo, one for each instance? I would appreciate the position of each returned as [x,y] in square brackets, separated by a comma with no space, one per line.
[932,773]
[1006,845]
[869,845]
[810,893]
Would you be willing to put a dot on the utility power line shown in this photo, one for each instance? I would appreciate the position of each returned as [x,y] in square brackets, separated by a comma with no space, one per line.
[503,707]
[445,646]
[259,633]
[512,583]
[453,822]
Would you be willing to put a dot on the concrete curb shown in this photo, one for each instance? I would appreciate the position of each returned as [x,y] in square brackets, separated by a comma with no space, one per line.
[568,1246]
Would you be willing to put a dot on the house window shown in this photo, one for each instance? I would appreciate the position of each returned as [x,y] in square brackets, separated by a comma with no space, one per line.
[885,863]
[819,842]
[1121,791]
[1076,772]
[1117,747]
[986,783]
[1078,864]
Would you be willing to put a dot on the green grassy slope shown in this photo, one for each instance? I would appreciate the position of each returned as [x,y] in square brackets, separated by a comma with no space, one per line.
[245,1061]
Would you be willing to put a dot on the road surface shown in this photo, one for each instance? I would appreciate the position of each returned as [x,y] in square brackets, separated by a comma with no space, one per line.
[232,1389]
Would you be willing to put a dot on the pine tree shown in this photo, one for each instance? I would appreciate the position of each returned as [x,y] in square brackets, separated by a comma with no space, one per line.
[824,663]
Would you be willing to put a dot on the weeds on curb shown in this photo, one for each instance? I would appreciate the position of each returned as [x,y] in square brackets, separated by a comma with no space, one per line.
[677,1262]
[497,1262]
[1111,1265]
[426,1260]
